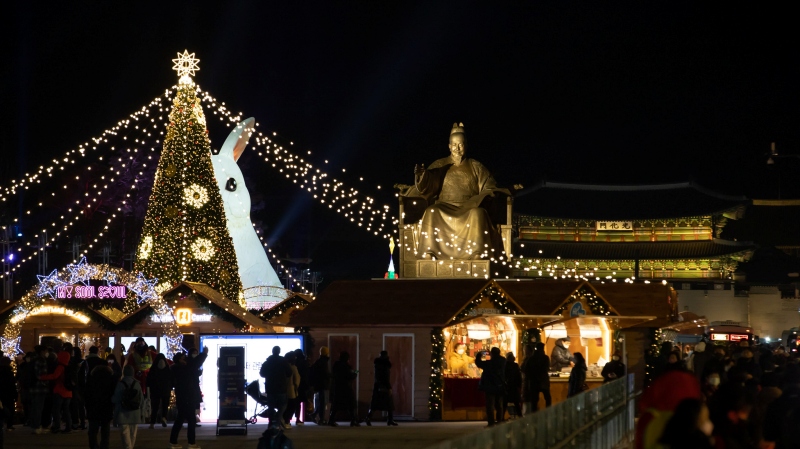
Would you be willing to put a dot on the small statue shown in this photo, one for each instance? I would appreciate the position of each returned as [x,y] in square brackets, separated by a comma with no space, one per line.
[455,226]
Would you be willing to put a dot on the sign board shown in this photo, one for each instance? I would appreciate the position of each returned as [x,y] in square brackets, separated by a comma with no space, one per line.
[719,337]
[484,311]
[739,337]
[184,317]
[92,292]
[614,226]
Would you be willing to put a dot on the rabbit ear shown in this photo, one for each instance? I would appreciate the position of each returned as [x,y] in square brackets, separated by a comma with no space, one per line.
[237,140]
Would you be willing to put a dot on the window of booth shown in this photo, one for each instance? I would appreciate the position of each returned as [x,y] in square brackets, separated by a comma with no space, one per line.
[591,336]
[464,341]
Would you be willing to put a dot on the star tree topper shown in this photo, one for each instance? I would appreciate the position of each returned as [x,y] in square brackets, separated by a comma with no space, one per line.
[185,64]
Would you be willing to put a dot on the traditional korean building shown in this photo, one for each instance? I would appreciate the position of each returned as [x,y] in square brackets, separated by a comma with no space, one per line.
[666,232]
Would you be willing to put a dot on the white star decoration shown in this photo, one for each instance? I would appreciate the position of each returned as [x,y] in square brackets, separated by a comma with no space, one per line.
[185,64]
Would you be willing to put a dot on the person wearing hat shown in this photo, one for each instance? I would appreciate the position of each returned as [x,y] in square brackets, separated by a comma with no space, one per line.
[321,382]
[561,357]
[614,369]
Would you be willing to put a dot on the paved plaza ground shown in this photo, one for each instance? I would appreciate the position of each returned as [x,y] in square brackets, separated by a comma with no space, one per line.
[409,435]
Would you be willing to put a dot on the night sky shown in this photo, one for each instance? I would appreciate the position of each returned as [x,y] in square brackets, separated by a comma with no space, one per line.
[622,94]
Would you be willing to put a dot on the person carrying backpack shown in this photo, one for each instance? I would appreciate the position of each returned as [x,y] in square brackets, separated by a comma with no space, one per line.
[128,401]
[61,394]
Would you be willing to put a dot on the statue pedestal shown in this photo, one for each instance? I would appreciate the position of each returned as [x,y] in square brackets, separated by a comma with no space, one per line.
[438,269]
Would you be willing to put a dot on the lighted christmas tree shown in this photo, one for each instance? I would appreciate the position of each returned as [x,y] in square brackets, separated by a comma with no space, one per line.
[185,236]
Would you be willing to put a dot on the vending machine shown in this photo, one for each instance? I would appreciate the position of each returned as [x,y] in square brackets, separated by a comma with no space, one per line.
[230,384]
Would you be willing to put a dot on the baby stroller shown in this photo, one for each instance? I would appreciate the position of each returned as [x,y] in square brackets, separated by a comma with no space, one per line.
[262,408]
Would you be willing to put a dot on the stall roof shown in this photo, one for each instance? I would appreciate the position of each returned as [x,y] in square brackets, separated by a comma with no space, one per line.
[627,300]
[217,298]
[435,302]
[399,302]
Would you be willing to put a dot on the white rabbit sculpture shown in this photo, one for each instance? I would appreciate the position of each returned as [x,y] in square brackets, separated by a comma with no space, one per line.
[254,267]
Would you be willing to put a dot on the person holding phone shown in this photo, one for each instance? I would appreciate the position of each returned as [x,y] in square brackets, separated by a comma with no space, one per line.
[493,384]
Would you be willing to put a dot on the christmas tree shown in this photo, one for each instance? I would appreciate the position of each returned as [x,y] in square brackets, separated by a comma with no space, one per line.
[185,237]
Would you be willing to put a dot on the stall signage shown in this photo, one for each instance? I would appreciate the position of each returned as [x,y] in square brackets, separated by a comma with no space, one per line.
[739,337]
[92,292]
[614,225]
[482,311]
[184,317]
[577,309]
[719,337]
[52,310]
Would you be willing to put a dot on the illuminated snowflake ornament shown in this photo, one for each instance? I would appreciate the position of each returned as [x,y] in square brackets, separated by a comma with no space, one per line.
[203,249]
[146,247]
[195,196]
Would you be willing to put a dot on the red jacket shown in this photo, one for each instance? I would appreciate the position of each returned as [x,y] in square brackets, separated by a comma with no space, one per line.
[59,374]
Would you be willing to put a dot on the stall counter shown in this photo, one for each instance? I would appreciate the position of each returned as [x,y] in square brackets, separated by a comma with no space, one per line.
[560,385]
[464,402]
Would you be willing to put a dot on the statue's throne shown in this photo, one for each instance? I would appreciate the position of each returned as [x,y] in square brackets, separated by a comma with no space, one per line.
[412,207]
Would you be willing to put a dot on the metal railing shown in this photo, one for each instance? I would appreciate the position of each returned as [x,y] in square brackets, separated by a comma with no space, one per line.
[600,418]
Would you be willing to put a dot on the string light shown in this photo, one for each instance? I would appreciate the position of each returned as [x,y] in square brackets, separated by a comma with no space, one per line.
[185,214]
[141,289]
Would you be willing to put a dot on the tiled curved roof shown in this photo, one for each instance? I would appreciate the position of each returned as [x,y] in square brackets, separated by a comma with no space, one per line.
[629,251]
[609,202]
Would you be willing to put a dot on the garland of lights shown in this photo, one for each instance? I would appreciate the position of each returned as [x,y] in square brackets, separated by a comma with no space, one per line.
[141,290]
[596,304]
[436,383]
[651,355]
[292,303]
[493,294]
[531,335]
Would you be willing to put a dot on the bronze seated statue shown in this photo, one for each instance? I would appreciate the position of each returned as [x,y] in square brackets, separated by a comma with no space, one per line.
[454,212]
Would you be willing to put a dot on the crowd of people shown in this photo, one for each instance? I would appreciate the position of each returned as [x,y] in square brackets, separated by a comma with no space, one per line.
[718,396]
[63,392]
[323,390]
[505,382]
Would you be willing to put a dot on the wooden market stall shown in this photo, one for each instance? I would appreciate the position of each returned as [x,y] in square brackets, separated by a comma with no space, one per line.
[424,324]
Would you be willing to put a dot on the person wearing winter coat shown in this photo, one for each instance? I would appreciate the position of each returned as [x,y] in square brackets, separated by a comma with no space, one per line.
[698,360]
[38,389]
[78,404]
[560,357]
[536,377]
[115,367]
[382,390]
[513,385]
[275,370]
[320,374]
[344,398]
[492,383]
[61,395]
[100,388]
[303,392]
[8,392]
[614,369]
[577,377]
[186,378]
[127,420]
[292,386]
[159,381]
[93,359]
